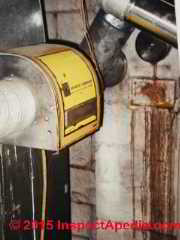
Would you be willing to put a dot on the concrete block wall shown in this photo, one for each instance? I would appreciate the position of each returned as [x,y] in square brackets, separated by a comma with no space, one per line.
[64,22]
[119,175]
[64,18]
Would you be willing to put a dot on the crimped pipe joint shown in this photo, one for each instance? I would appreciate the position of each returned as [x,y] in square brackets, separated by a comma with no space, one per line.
[17,107]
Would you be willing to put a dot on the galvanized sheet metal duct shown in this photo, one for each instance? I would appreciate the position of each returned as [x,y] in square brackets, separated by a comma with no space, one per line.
[109,36]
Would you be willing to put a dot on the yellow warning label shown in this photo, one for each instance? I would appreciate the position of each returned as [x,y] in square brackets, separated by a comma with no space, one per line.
[77,84]
[73,75]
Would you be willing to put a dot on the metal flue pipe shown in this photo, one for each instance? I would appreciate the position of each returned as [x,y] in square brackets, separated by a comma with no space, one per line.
[109,36]
[158,19]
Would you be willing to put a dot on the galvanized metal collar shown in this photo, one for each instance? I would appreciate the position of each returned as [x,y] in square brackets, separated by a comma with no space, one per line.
[113,21]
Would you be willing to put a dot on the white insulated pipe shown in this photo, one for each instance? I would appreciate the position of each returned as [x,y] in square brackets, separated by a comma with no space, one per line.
[117,8]
[177,7]
[17,107]
[143,18]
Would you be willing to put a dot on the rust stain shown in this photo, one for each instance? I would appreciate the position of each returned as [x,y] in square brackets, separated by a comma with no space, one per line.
[145,171]
[157,189]
[155,68]
[144,187]
[160,157]
[158,168]
[155,92]
[133,123]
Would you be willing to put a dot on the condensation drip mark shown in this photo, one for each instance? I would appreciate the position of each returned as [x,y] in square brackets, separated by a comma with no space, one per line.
[133,170]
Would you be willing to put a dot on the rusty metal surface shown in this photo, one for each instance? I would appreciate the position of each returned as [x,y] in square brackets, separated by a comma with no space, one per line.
[21,23]
[159,93]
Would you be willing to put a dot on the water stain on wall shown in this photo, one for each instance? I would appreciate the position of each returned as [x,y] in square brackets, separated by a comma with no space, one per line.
[157,188]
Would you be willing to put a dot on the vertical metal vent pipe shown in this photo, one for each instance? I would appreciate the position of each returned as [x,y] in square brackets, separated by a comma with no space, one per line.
[109,36]
[157,18]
